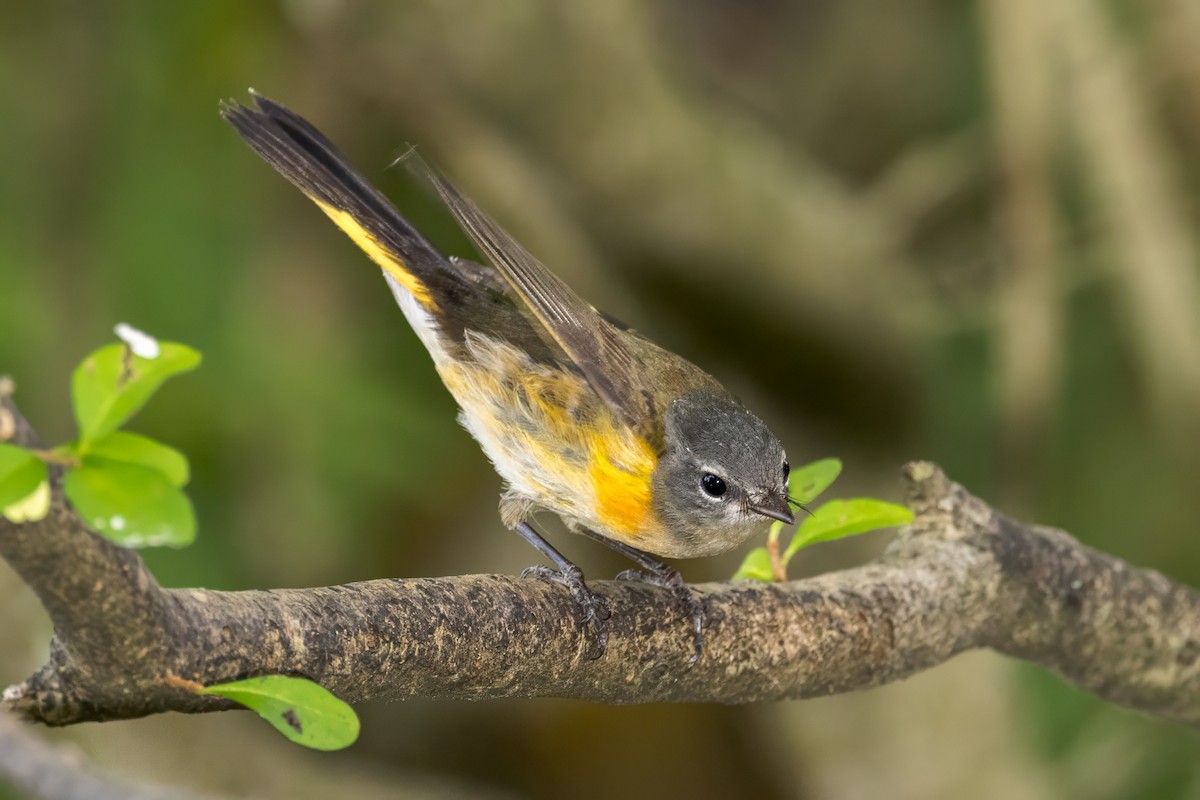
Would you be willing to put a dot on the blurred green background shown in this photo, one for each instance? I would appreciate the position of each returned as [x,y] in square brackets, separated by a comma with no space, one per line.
[963,231]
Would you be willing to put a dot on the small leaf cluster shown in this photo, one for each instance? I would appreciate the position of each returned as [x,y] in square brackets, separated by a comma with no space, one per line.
[129,488]
[126,487]
[835,519]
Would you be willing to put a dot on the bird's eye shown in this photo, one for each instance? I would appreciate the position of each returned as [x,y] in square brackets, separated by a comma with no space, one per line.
[786,469]
[713,485]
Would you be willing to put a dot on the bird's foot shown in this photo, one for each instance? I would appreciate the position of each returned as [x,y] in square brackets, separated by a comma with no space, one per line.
[594,606]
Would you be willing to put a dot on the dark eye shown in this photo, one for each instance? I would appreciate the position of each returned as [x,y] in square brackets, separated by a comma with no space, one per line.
[713,485]
[786,470]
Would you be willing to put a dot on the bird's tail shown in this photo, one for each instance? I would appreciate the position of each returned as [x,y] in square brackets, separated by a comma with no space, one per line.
[302,154]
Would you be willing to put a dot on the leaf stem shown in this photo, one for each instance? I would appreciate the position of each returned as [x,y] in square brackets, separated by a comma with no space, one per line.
[778,565]
[177,682]
[57,457]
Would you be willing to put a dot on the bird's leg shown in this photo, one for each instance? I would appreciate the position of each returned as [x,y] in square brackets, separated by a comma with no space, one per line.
[594,606]
[656,573]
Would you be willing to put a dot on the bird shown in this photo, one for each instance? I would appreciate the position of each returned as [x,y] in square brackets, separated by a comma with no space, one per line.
[582,416]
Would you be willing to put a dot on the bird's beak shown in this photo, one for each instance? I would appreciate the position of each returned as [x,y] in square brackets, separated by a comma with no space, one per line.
[774,506]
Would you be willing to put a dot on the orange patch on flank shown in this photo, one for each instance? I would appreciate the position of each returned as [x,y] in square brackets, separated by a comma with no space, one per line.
[379,254]
[547,434]
[621,469]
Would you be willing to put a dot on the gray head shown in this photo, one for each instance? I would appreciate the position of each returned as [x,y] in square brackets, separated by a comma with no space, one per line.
[722,478]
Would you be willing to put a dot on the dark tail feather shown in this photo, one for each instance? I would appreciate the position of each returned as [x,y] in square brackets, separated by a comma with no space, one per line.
[460,295]
[303,155]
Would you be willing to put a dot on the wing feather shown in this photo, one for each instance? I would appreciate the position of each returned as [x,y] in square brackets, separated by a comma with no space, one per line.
[593,344]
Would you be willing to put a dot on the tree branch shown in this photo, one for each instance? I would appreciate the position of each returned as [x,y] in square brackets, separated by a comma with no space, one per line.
[962,576]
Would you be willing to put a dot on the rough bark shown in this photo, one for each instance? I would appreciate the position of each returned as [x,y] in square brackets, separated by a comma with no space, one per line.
[962,576]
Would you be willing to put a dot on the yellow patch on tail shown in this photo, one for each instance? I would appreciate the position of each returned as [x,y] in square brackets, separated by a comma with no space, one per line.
[381,255]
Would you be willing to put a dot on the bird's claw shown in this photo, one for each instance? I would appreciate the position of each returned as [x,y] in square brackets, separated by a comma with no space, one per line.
[594,606]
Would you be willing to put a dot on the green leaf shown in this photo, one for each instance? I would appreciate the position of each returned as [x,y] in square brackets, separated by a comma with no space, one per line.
[838,519]
[31,508]
[132,505]
[810,480]
[303,711]
[112,384]
[131,448]
[756,566]
[21,472]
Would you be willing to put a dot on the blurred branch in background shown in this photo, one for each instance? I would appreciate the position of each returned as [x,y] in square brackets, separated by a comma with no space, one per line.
[1068,57]
[1132,177]
[47,772]
[1029,336]
[720,204]
[1174,26]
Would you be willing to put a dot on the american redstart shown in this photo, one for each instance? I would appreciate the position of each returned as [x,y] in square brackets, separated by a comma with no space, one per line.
[627,442]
